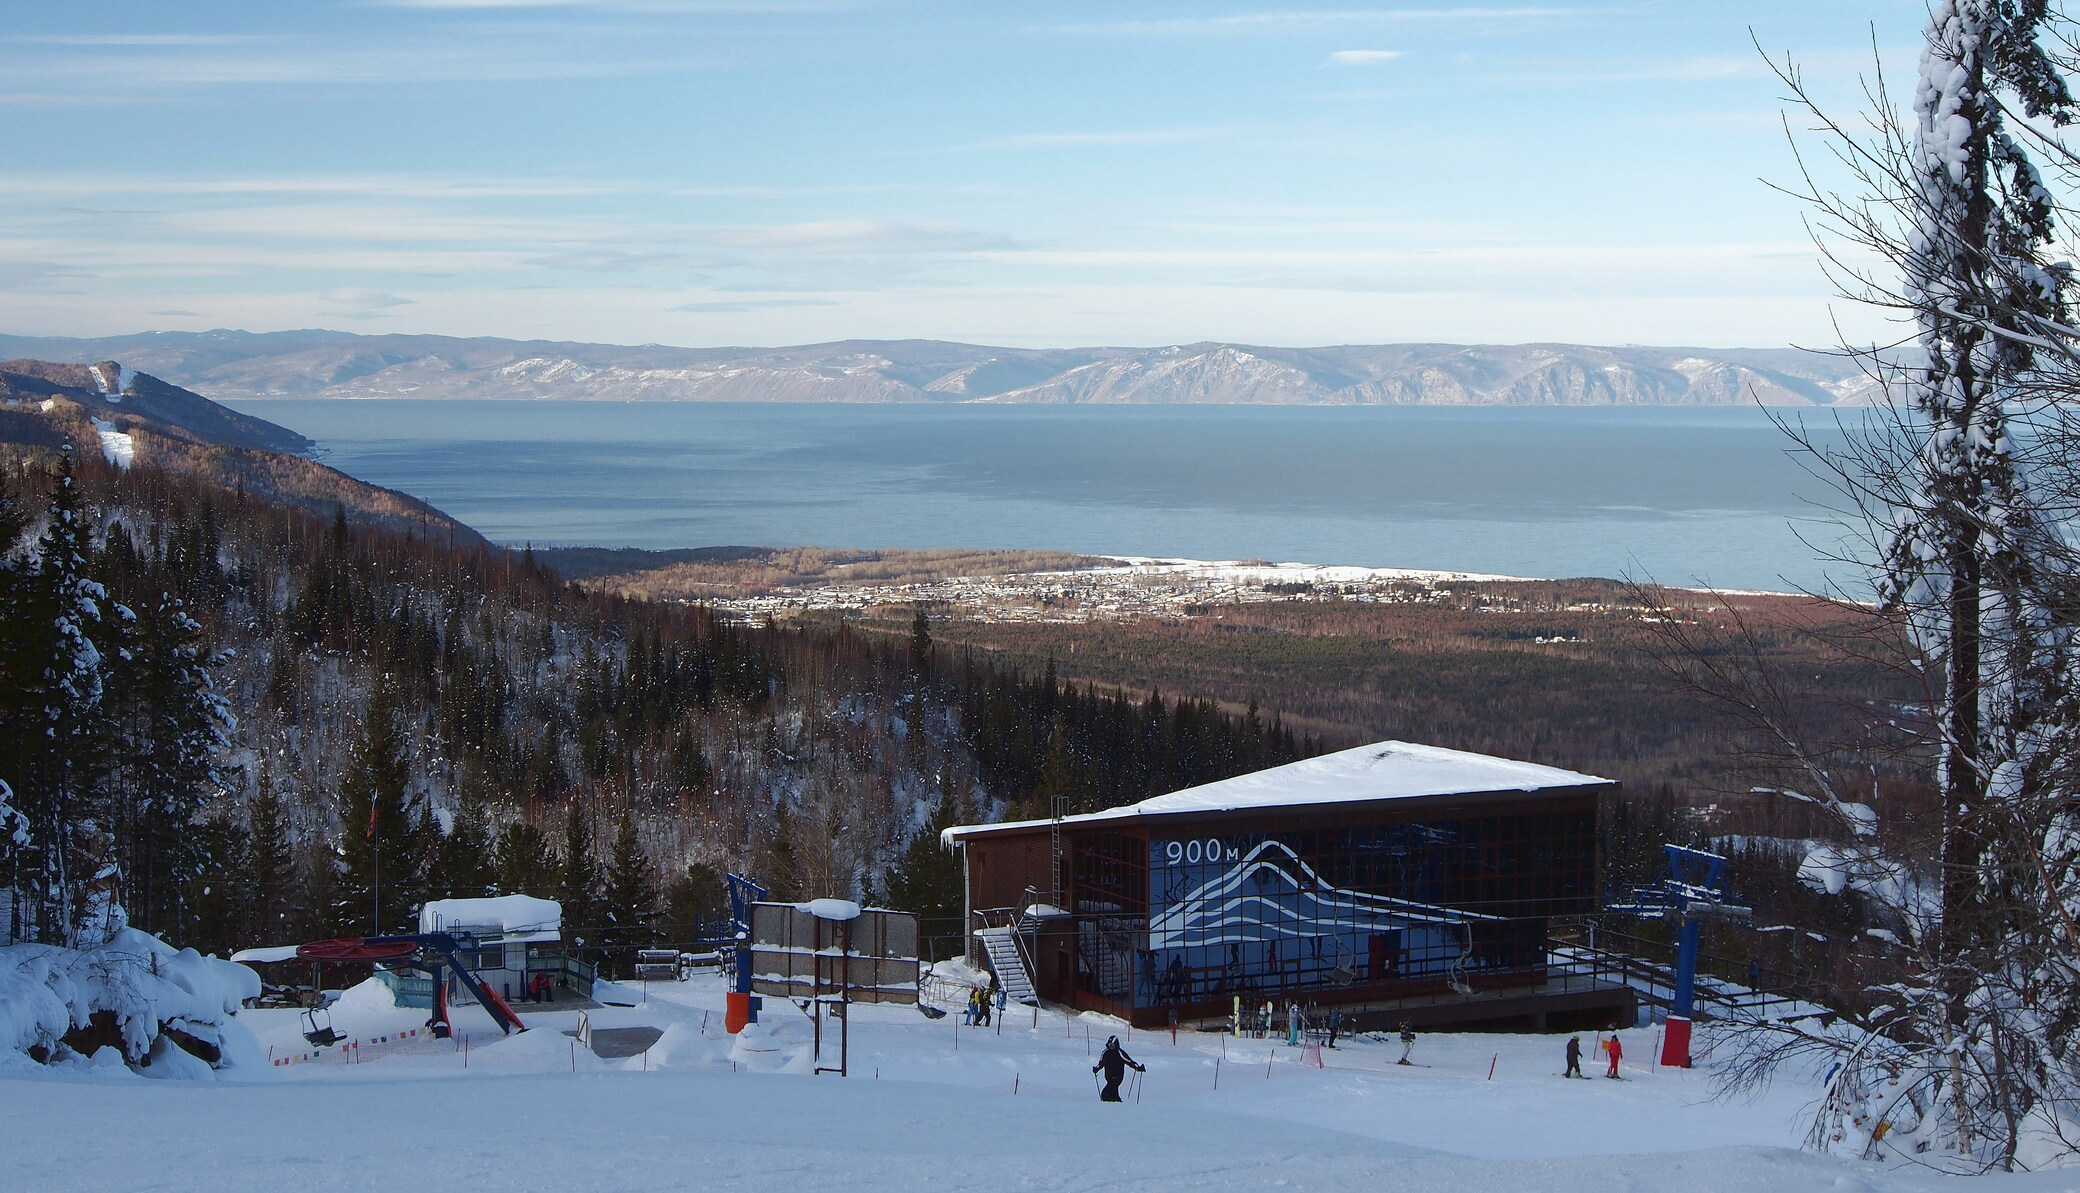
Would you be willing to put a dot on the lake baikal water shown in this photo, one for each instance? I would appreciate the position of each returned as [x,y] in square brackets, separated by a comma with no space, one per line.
[1713,496]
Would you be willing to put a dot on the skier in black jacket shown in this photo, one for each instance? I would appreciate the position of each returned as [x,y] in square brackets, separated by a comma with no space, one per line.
[1115,1062]
[1574,1057]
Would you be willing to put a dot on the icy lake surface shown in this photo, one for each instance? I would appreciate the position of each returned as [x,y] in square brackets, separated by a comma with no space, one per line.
[1679,495]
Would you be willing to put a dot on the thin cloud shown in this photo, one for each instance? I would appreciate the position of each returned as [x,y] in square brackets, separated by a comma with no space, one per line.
[413,186]
[1253,22]
[354,298]
[128,70]
[749,304]
[1365,57]
[602,260]
[861,236]
[1143,136]
[142,39]
[692,7]
[177,314]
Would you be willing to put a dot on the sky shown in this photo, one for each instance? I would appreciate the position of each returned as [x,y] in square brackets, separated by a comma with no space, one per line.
[708,172]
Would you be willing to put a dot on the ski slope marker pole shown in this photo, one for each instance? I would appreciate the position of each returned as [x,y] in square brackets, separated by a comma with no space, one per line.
[1267,1064]
[1014,1084]
[1491,1065]
[1216,1072]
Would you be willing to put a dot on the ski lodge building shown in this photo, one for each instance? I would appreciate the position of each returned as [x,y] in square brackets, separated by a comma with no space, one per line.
[1400,882]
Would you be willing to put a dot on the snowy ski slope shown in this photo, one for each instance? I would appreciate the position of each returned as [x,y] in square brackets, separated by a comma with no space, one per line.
[1014,1108]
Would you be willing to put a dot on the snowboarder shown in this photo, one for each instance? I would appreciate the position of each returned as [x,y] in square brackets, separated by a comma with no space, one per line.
[1408,1042]
[983,999]
[1574,1057]
[1616,1052]
[973,1012]
[1115,1062]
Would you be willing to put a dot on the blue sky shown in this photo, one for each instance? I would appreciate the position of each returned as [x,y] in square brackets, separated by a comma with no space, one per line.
[736,172]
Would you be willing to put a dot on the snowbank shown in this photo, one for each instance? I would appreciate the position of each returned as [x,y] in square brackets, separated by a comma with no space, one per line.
[164,1012]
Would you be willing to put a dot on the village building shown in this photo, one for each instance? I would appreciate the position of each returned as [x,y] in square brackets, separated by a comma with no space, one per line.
[1396,882]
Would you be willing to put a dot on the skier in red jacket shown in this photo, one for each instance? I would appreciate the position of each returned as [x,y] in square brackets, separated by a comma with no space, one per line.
[1616,1051]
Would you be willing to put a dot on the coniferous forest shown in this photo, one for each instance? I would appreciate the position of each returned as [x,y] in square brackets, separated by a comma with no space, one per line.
[237,722]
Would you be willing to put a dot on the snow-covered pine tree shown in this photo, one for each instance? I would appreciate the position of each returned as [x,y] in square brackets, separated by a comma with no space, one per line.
[1971,1061]
[15,659]
[64,730]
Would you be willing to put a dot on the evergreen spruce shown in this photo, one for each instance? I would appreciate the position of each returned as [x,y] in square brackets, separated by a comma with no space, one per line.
[578,883]
[278,910]
[631,895]
[380,851]
[698,899]
[464,866]
[523,863]
[171,726]
[927,878]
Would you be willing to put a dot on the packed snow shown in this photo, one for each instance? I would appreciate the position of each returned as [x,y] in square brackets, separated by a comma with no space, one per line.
[928,1104]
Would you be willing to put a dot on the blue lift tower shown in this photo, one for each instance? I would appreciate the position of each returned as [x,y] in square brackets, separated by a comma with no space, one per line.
[1692,890]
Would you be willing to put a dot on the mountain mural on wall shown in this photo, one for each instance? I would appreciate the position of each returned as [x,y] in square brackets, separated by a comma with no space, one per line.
[330,364]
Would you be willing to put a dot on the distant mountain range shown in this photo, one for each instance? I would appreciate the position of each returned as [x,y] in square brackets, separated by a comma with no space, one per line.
[331,364]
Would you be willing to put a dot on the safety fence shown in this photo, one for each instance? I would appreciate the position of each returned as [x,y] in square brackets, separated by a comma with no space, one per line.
[349,1052]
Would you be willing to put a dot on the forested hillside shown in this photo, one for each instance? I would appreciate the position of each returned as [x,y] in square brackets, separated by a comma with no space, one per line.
[243,721]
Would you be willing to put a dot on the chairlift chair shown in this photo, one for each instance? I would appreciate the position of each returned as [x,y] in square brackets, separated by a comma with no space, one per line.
[321,1036]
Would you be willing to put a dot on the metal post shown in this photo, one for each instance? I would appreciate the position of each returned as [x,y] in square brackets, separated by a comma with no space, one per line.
[1675,1047]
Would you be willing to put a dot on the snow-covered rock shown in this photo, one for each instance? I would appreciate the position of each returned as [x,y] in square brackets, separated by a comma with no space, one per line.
[163,1011]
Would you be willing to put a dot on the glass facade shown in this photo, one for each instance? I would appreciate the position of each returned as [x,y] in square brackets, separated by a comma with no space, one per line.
[1181,918]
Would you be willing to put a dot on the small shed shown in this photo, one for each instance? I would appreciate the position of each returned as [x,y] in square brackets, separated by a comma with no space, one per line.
[507,928]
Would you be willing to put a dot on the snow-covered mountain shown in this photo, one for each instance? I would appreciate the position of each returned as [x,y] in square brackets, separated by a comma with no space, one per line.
[234,364]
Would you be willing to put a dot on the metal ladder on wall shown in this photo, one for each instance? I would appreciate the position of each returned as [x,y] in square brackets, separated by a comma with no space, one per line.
[1009,965]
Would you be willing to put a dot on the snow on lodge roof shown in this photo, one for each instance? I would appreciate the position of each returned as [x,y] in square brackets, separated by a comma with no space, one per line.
[1387,770]
[522,918]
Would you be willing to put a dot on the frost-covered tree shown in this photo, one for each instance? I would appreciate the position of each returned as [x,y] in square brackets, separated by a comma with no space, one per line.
[1971,1061]
[61,736]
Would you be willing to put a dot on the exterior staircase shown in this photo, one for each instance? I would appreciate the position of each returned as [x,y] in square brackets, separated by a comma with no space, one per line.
[1001,946]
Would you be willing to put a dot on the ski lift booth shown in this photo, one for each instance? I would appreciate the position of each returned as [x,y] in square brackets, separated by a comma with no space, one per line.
[1402,882]
[507,930]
